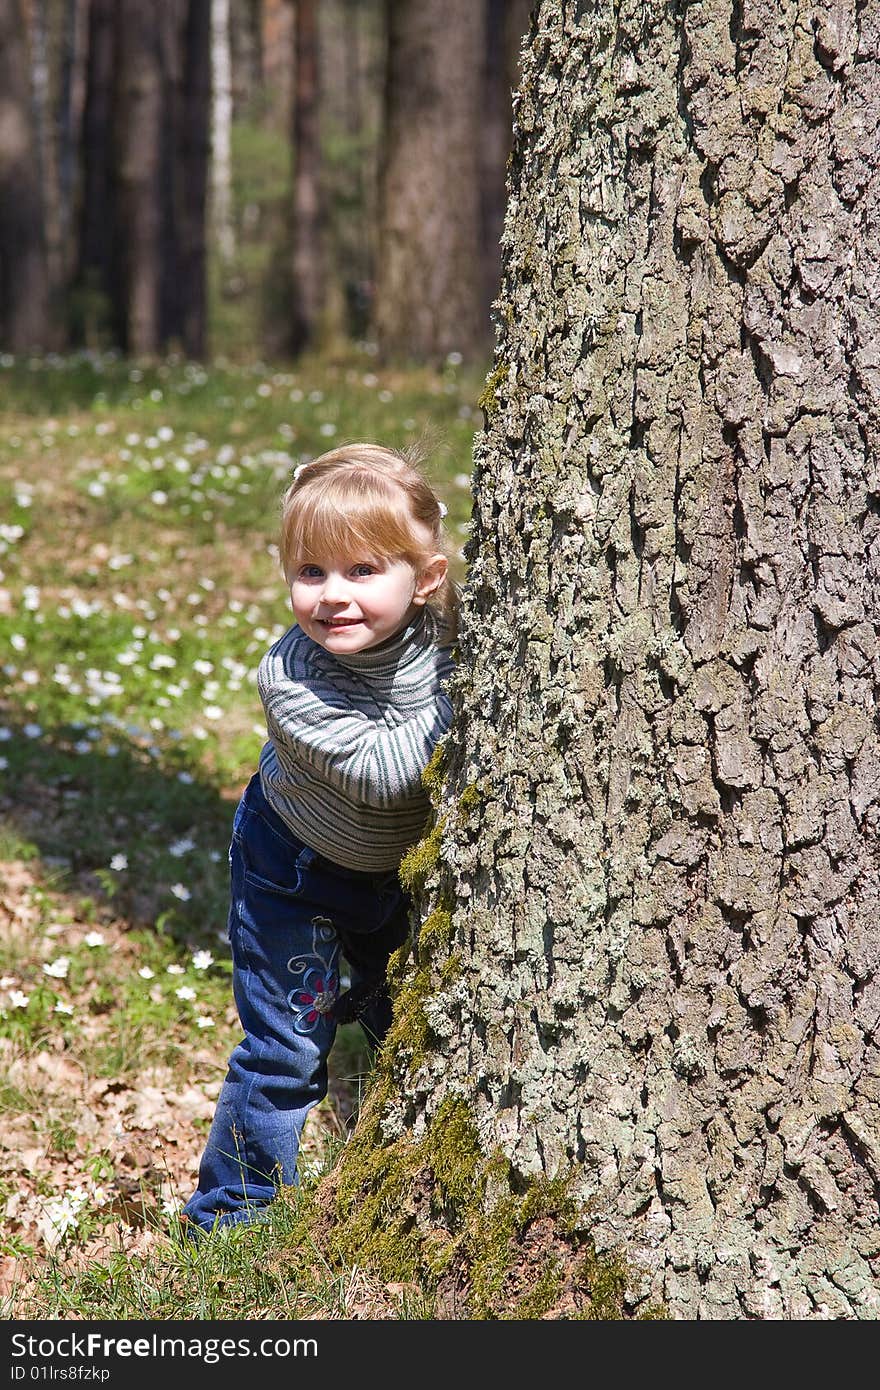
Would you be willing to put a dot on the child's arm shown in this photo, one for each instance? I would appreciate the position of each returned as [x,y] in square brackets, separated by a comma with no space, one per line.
[368,761]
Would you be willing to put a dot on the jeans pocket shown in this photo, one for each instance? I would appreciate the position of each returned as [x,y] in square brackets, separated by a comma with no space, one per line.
[269,859]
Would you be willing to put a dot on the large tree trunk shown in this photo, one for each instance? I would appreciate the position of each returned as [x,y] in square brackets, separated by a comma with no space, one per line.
[430,296]
[24,277]
[648,963]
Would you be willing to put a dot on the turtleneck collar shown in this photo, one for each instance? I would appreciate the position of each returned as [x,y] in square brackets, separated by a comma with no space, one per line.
[395,652]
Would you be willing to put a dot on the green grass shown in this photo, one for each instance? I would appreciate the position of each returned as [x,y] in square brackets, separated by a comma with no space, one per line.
[139,587]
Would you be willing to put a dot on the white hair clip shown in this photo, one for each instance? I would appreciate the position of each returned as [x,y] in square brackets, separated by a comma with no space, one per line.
[443,508]
[299,468]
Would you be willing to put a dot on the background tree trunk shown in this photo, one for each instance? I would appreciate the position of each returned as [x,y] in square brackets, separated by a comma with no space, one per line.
[71,97]
[246,51]
[430,297]
[221,145]
[97,302]
[648,960]
[192,183]
[24,278]
[308,269]
[507,23]
[139,117]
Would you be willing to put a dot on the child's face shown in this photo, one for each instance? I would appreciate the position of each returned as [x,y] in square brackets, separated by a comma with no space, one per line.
[351,602]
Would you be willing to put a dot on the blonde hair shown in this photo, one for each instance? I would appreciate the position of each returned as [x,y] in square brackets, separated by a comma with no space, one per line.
[370,496]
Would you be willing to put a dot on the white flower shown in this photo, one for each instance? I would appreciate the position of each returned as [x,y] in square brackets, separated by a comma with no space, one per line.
[181,891]
[4,763]
[93,938]
[146,973]
[181,846]
[119,862]
[212,712]
[62,1008]
[185,992]
[202,959]
[159,498]
[204,668]
[32,730]
[5,735]
[203,1021]
[58,968]
[162,661]
[18,642]
[58,1216]
[18,1000]
[174,969]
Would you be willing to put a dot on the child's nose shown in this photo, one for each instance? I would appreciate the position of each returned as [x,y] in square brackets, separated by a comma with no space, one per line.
[334,589]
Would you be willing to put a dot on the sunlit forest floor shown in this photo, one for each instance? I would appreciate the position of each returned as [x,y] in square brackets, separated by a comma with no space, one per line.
[139,587]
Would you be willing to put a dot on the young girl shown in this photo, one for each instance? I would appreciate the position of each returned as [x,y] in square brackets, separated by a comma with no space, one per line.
[354,702]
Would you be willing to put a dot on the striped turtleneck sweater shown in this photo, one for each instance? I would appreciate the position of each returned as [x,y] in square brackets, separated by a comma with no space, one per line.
[349,737]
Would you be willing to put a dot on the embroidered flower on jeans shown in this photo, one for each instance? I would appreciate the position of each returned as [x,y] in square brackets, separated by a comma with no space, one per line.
[316,996]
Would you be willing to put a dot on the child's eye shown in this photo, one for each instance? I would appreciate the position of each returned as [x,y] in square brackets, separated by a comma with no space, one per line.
[364,569]
[310,572]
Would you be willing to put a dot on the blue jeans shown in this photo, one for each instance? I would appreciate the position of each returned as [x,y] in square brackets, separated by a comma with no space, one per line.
[292,915]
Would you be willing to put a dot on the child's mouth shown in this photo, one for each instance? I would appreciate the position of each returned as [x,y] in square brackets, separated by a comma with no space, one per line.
[339,622]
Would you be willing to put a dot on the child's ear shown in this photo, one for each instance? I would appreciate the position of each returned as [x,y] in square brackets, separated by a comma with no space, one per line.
[430,578]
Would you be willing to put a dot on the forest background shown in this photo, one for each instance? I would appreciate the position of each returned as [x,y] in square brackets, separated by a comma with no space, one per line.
[237,177]
[232,232]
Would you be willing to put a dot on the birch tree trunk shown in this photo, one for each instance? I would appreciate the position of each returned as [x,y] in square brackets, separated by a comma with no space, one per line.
[429,283]
[647,968]
[221,131]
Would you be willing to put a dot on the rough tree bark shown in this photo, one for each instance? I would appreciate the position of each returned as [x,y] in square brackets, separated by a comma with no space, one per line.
[647,964]
[429,287]
[24,275]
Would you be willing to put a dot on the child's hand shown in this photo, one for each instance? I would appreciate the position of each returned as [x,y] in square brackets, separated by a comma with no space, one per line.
[352,1003]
